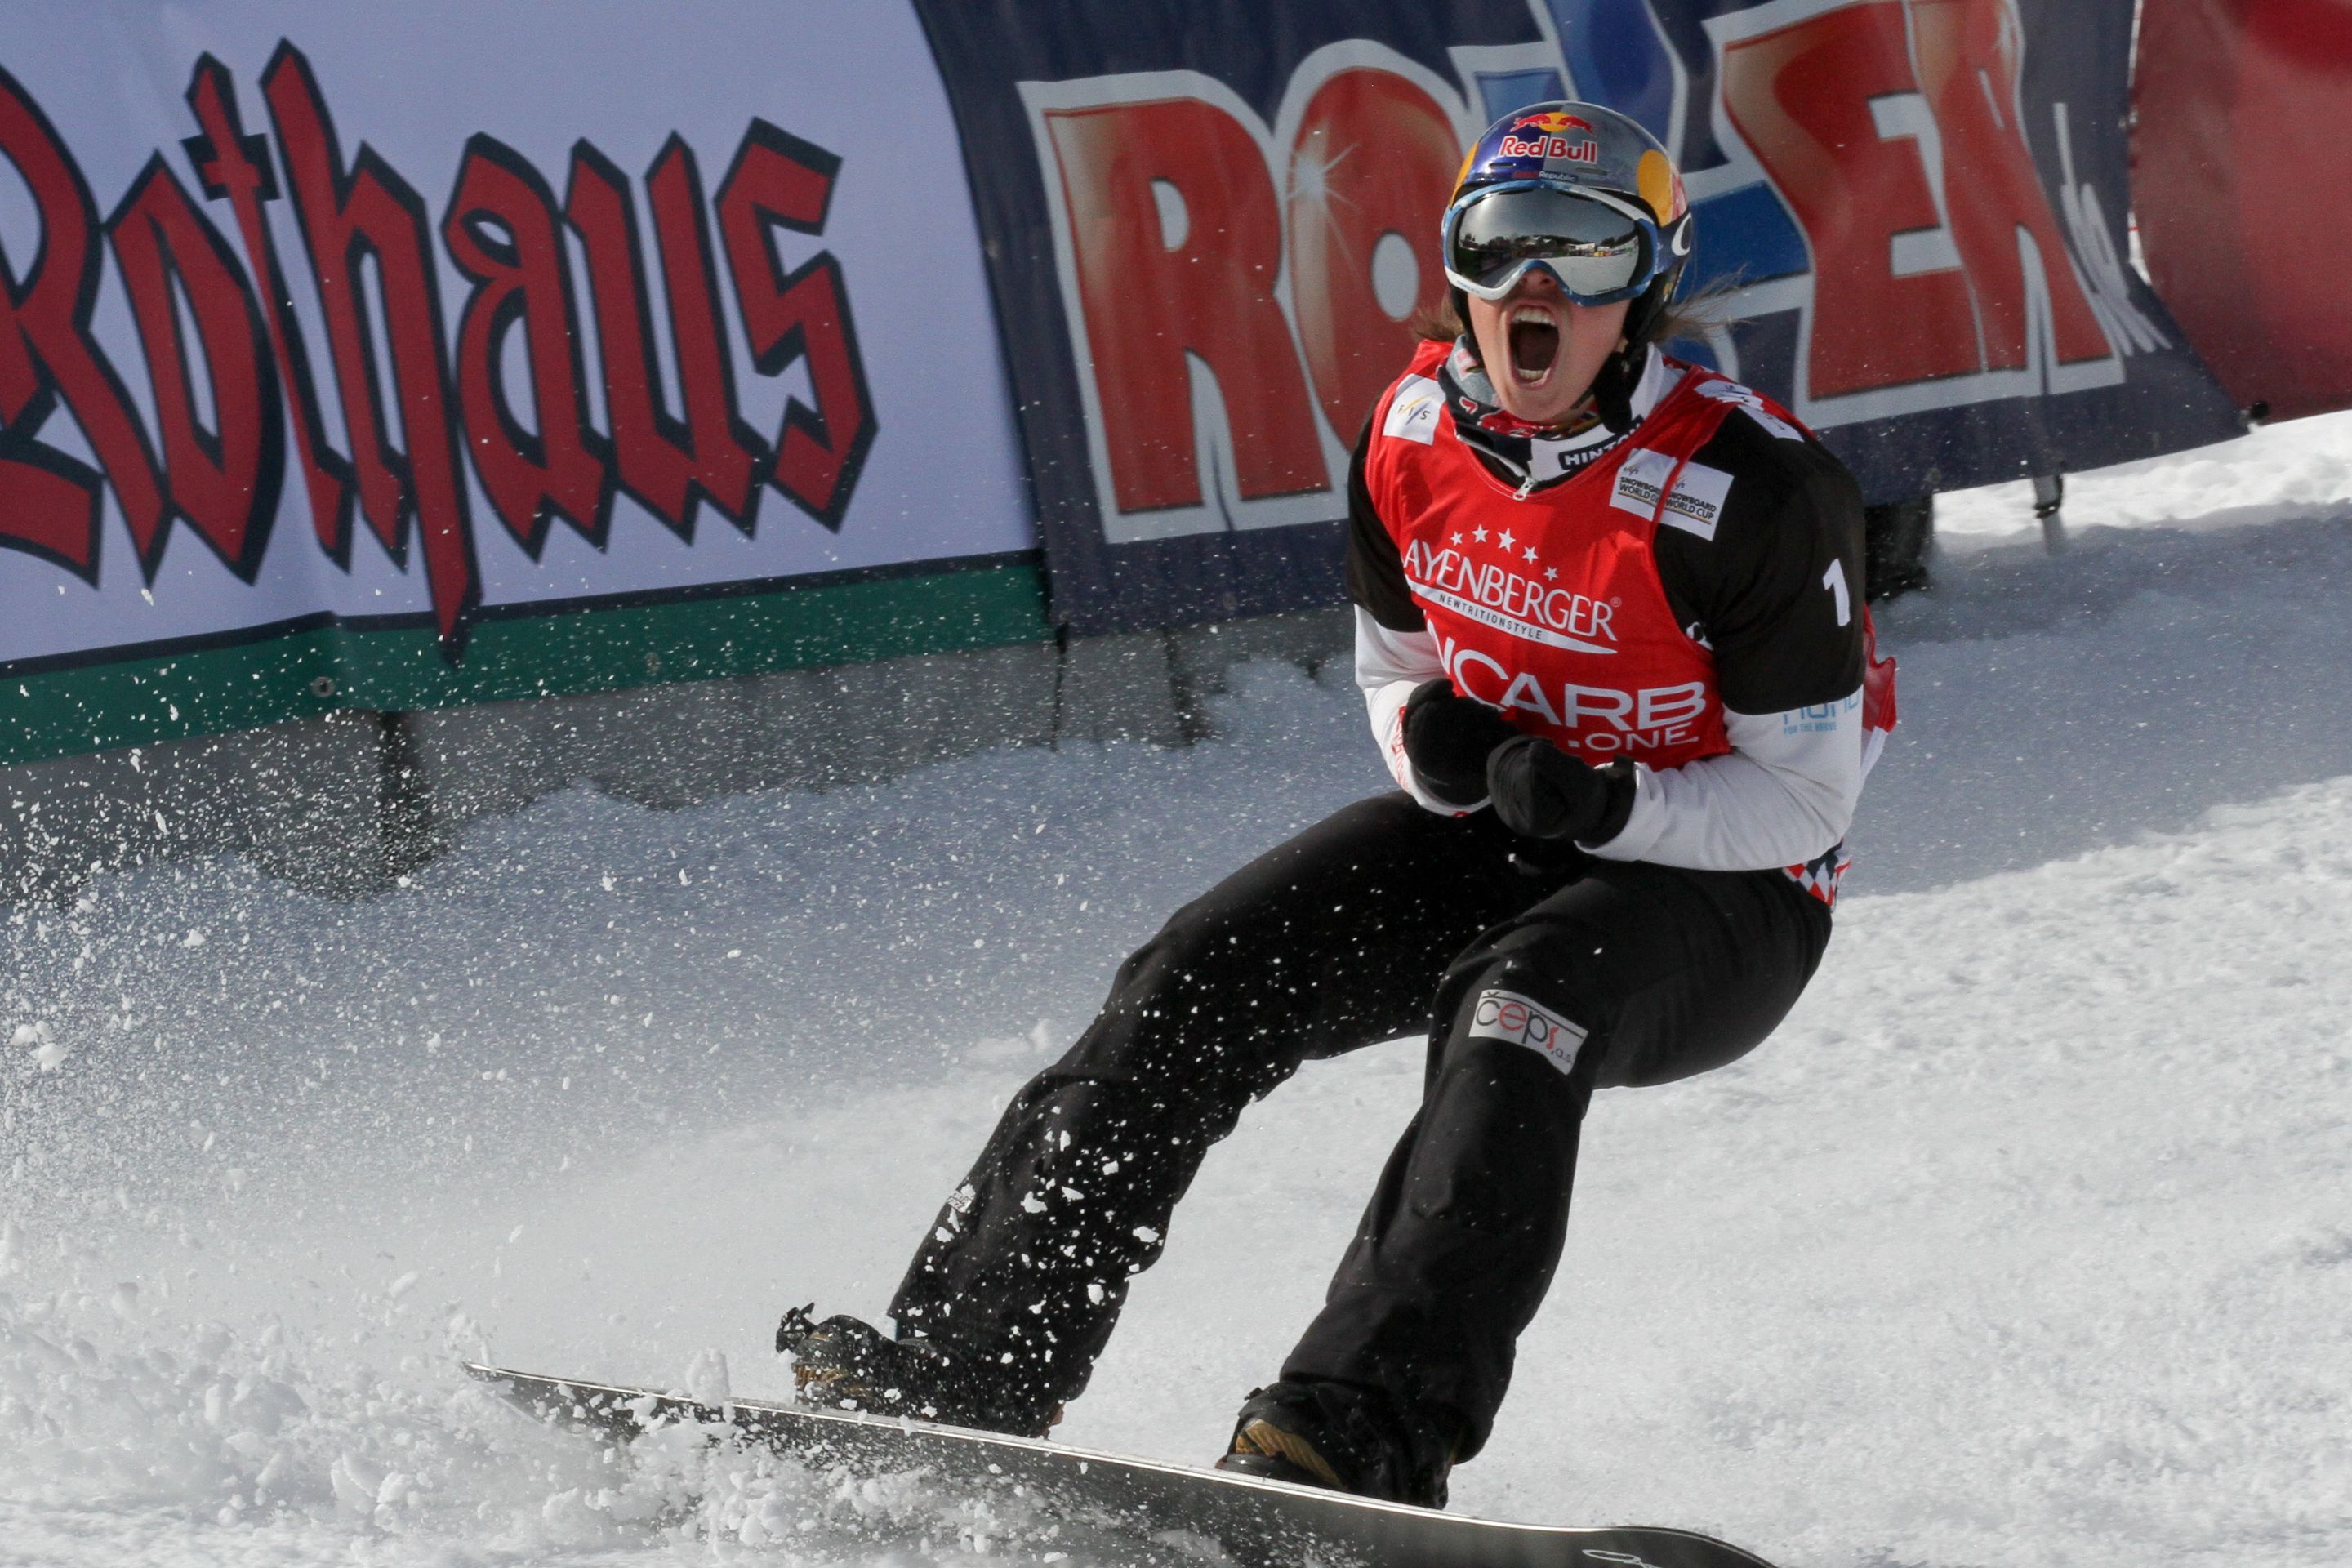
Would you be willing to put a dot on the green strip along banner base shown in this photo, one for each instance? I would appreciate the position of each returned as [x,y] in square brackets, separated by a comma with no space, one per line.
[303,671]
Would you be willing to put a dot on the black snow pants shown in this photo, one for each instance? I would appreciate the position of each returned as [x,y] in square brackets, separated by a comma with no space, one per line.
[1540,974]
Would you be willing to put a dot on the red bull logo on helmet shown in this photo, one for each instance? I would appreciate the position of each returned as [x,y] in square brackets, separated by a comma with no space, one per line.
[1550,134]
[1552,120]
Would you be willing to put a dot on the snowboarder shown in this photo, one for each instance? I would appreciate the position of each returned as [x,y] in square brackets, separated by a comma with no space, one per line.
[1610,628]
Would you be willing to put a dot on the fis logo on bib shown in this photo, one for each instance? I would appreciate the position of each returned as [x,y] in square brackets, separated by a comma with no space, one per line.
[1413,411]
[1523,1021]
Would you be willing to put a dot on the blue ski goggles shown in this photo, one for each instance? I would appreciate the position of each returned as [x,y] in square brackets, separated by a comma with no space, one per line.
[1599,248]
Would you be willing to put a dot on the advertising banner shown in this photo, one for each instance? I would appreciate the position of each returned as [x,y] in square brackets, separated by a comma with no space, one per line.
[1211,224]
[365,338]
[2242,180]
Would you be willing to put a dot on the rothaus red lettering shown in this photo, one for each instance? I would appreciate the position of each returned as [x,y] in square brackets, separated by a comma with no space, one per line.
[503,231]
[226,339]
[225,478]
[668,465]
[234,168]
[48,499]
[780,180]
[346,212]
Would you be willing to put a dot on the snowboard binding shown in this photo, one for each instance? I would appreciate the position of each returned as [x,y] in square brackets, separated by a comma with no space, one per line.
[845,1363]
[1348,1439]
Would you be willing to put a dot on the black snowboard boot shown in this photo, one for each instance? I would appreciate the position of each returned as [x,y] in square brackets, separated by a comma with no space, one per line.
[843,1364]
[1350,1439]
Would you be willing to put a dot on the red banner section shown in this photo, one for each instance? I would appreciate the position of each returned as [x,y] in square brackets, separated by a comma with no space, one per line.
[1194,235]
[1858,112]
[2243,182]
[418,401]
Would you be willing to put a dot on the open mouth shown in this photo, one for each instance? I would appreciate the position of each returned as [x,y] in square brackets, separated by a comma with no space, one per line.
[1535,343]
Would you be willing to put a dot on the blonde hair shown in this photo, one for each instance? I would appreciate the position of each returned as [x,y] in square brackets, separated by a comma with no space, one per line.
[1709,308]
[1438,323]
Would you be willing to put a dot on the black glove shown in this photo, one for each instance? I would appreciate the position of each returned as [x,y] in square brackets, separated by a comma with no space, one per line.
[1542,792]
[1447,738]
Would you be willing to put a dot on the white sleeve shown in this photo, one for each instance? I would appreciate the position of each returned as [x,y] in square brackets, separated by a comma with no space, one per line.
[1389,665]
[1782,794]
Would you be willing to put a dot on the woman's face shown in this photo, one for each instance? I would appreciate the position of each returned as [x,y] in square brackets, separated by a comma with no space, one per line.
[1542,349]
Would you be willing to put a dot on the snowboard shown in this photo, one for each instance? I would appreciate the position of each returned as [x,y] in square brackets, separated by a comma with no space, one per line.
[1255,1521]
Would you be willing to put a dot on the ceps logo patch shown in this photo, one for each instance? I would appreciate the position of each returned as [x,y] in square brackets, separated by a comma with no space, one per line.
[1524,1021]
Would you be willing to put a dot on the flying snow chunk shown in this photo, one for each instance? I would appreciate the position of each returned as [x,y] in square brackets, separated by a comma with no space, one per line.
[707,1378]
[48,1051]
[355,1483]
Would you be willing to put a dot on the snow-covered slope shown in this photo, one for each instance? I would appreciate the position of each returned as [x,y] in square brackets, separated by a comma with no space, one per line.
[2026,1241]
[2303,467]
